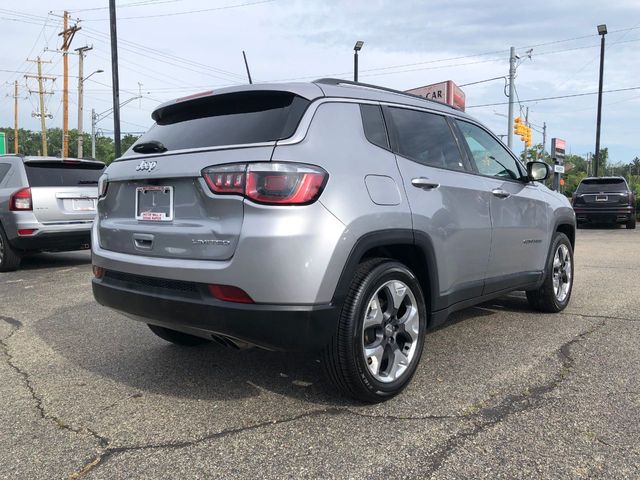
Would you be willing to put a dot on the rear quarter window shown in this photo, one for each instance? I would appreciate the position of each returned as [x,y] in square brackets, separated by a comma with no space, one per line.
[230,119]
[373,123]
[59,174]
[4,169]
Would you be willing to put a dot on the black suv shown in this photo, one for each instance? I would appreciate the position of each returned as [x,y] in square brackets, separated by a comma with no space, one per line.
[605,200]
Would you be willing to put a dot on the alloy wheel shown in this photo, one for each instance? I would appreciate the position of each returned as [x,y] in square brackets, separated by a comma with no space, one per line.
[562,273]
[390,331]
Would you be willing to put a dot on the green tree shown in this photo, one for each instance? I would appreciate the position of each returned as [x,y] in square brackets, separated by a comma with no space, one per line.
[30,143]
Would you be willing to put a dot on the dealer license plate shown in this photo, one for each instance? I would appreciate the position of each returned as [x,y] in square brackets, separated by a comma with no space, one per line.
[154,203]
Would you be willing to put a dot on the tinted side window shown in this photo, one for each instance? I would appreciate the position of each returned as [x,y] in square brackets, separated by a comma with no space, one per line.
[491,158]
[373,124]
[4,169]
[424,137]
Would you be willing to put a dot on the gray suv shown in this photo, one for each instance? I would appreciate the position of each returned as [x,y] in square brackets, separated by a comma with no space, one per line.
[330,216]
[46,203]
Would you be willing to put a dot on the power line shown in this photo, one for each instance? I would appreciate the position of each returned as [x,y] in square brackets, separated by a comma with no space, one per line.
[125,5]
[556,97]
[188,12]
[137,48]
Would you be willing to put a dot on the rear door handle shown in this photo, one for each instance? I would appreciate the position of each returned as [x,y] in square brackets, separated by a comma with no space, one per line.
[424,183]
[498,192]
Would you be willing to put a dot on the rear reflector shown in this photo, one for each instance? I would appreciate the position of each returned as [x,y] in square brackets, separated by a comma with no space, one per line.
[229,293]
[27,231]
[21,200]
[98,272]
[270,183]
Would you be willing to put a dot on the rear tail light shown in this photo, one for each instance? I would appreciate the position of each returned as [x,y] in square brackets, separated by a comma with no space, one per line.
[103,184]
[229,293]
[21,200]
[26,231]
[268,183]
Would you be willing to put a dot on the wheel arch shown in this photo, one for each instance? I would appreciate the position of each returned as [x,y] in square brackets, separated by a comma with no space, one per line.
[404,245]
[569,229]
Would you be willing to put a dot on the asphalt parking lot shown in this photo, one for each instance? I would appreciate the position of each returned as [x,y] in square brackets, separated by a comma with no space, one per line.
[501,392]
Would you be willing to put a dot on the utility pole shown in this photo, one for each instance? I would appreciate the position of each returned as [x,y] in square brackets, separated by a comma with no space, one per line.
[81,51]
[544,137]
[114,76]
[42,113]
[512,75]
[15,118]
[526,122]
[93,133]
[67,36]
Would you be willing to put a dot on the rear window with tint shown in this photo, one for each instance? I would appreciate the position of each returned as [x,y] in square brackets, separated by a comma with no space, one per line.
[58,174]
[229,119]
[595,185]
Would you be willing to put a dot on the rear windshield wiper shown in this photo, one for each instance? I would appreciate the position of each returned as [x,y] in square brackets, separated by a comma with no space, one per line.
[152,146]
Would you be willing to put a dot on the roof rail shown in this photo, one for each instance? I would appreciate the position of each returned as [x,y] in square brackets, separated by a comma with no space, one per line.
[338,81]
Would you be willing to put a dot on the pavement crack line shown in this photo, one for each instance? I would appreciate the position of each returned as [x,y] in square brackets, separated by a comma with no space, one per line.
[490,416]
[481,419]
[26,379]
[107,452]
[603,317]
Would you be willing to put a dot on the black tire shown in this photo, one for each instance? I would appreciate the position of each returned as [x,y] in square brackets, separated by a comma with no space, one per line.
[177,338]
[545,298]
[344,358]
[10,258]
[631,224]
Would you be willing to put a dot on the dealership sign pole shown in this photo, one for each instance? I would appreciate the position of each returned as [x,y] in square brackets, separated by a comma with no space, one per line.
[557,154]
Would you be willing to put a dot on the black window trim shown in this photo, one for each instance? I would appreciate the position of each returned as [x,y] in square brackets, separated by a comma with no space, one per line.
[384,124]
[522,180]
[393,137]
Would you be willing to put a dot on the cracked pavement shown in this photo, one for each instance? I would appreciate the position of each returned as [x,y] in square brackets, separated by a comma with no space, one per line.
[501,391]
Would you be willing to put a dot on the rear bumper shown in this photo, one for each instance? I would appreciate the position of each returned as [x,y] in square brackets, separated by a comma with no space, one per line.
[617,214]
[53,241]
[189,308]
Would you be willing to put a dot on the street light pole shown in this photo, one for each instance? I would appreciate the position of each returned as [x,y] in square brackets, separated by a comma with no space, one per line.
[81,51]
[356,49]
[96,117]
[602,30]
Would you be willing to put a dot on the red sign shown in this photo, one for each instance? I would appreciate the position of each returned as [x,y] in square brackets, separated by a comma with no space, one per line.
[444,92]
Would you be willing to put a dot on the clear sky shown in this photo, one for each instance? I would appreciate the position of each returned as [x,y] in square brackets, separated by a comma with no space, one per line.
[171,48]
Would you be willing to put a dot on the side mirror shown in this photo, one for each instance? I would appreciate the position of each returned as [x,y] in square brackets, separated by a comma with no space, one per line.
[538,171]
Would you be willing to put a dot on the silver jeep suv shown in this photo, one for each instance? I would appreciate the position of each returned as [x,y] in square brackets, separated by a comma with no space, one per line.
[341,217]
[46,203]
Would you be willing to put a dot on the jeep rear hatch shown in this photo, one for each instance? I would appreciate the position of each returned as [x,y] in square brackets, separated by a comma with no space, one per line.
[63,190]
[158,203]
